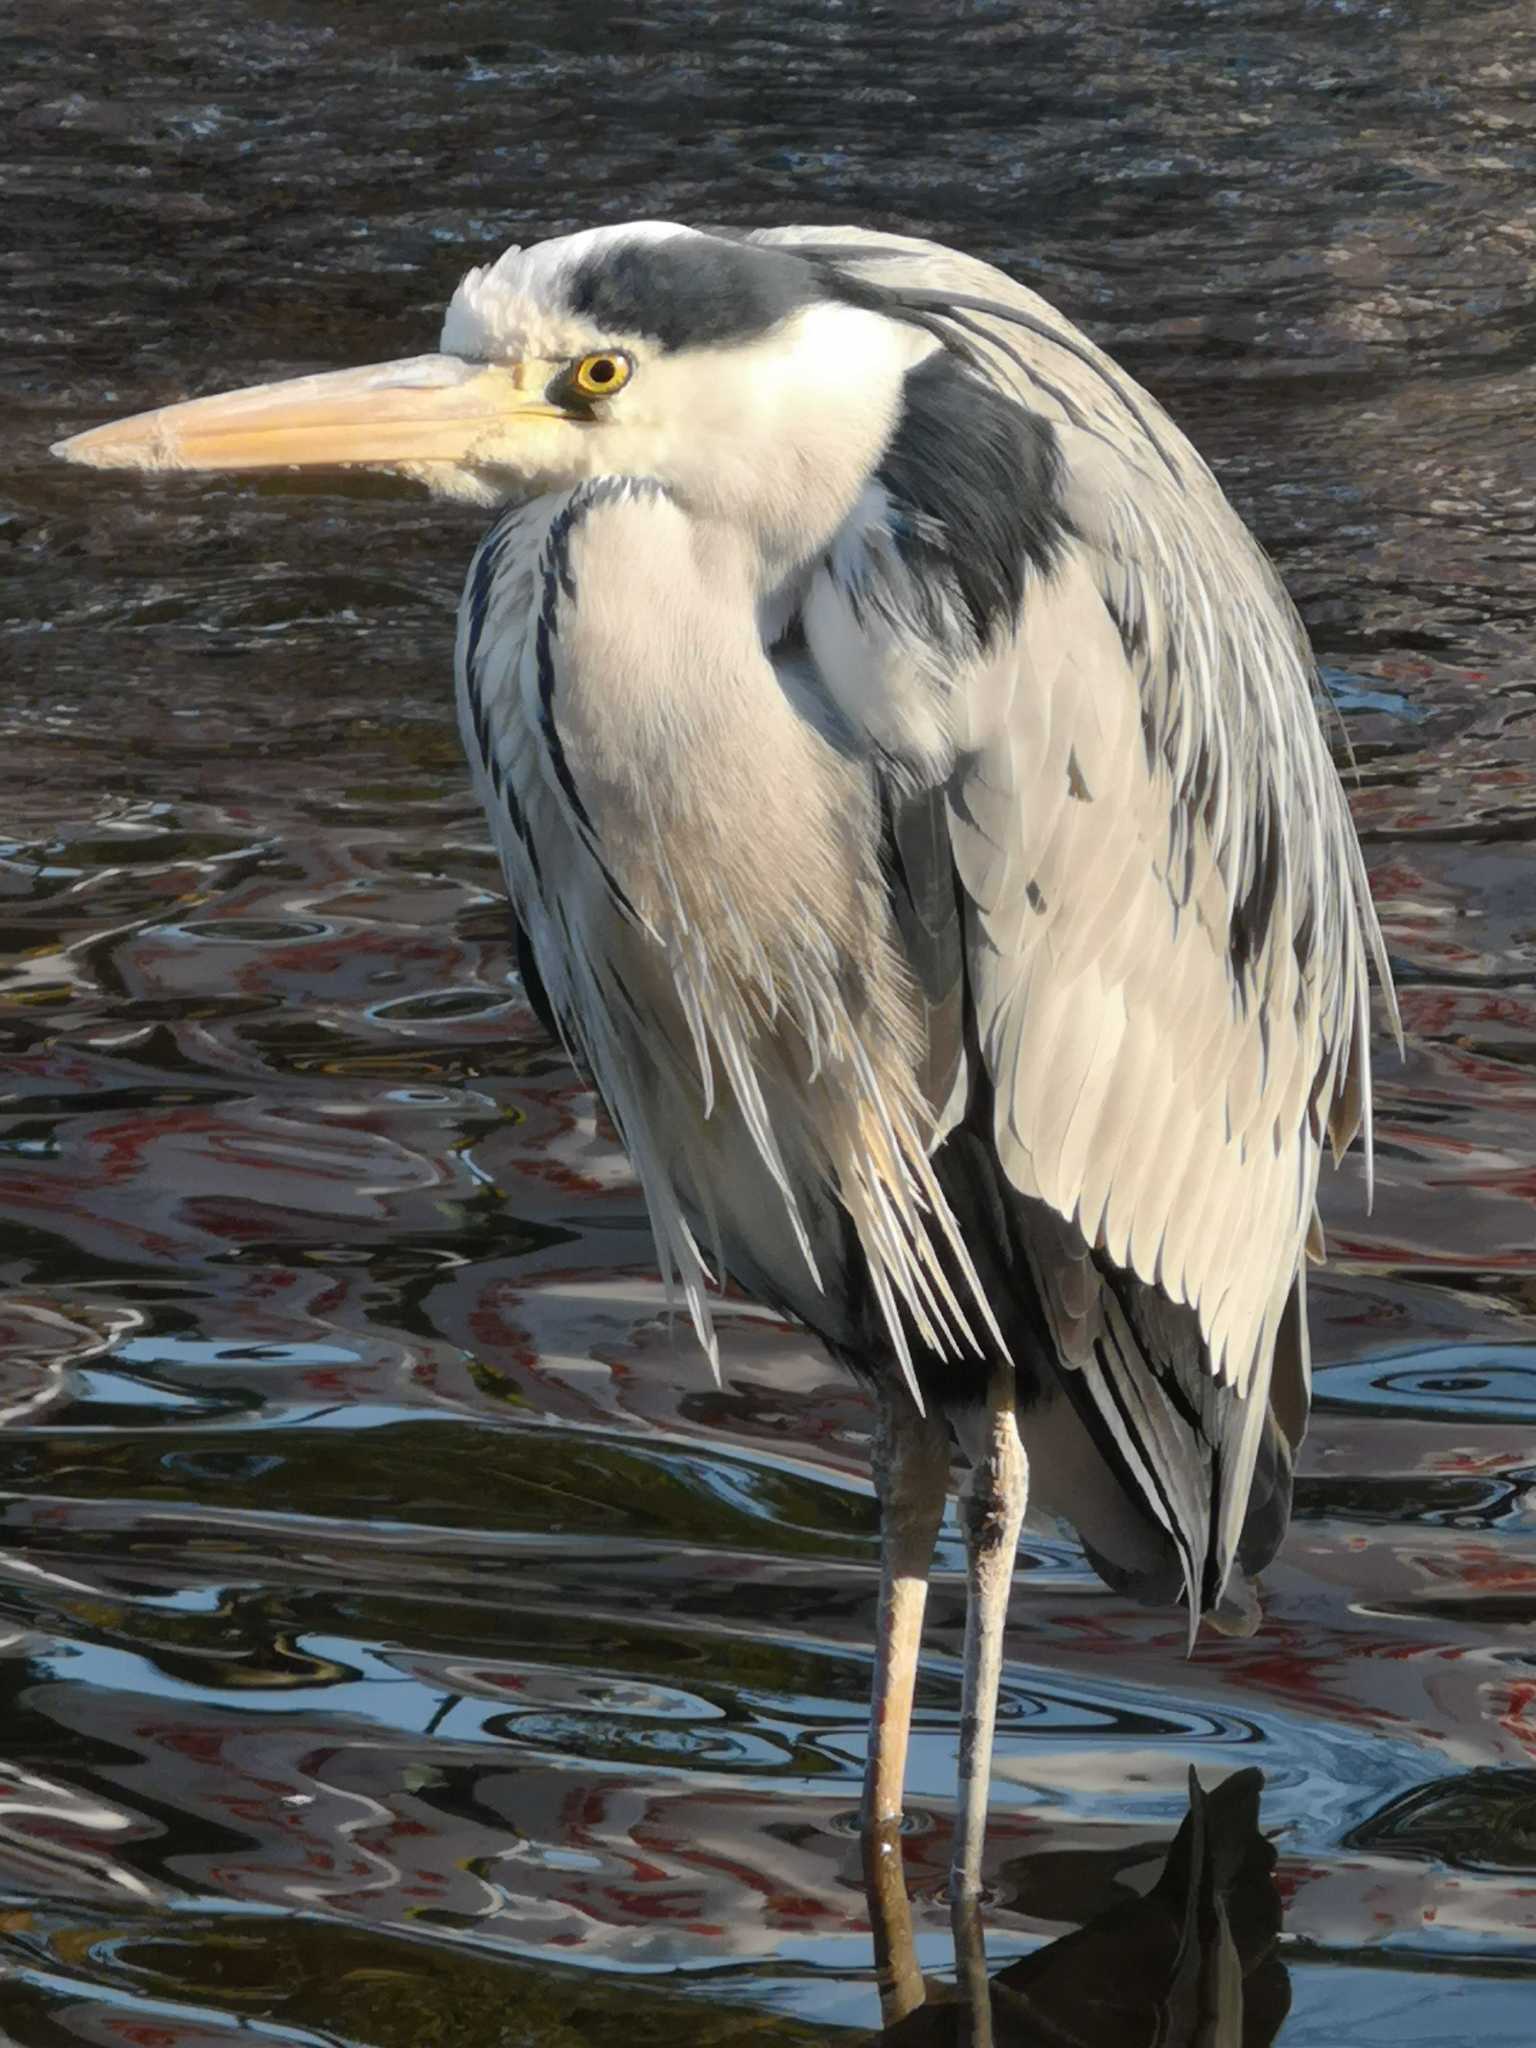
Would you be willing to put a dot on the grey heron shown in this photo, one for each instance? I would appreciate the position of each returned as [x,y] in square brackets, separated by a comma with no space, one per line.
[905,769]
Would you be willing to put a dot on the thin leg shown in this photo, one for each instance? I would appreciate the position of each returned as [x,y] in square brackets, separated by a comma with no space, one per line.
[991,1515]
[911,1463]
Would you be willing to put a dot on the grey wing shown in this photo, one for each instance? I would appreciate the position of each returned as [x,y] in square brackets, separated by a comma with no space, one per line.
[1165,1056]
[1165,932]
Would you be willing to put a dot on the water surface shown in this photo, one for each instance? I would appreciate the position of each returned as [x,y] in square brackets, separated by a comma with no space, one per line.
[403,1641]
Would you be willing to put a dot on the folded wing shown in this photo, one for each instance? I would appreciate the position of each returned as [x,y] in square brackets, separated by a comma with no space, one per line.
[1164,923]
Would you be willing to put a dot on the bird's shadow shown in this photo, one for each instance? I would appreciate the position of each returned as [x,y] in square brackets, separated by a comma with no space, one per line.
[1192,1964]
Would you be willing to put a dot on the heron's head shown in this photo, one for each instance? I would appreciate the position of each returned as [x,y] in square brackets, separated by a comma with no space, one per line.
[743,377]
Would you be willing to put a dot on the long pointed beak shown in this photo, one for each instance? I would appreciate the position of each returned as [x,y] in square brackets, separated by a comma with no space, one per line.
[422,411]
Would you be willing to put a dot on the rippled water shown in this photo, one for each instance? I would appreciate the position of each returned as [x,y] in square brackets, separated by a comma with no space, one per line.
[403,1642]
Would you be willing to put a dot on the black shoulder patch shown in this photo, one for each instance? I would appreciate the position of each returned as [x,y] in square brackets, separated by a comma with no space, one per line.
[974,480]
[691,290]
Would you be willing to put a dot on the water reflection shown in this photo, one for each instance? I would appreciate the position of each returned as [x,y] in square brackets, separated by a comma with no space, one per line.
[397,1628]
[1193,1960]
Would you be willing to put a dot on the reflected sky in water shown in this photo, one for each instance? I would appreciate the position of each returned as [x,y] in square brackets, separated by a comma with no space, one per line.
[397,1627]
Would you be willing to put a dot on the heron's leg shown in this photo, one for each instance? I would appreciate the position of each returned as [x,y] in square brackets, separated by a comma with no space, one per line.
[991,1515]
[911,1463]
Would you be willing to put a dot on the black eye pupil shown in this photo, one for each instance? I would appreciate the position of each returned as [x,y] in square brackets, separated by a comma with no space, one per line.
[601,372]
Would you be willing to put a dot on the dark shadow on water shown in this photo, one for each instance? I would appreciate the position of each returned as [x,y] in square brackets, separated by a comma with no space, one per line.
[1193,1963]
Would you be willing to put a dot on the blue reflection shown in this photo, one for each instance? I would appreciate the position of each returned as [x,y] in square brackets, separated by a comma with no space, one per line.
[1439,1382]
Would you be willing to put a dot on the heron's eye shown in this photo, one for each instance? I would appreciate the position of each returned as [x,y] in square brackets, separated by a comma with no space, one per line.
[600,376]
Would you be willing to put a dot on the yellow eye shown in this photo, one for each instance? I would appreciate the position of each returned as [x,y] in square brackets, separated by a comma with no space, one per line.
[600,376]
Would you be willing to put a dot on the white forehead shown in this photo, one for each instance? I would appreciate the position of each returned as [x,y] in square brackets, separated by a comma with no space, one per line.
[520,304]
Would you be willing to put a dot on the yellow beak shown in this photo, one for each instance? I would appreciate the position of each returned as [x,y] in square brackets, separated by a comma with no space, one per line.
[419,412]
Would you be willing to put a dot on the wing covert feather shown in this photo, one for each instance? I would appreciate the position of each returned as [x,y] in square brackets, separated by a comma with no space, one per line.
[1141,1092]
[1164,1093]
